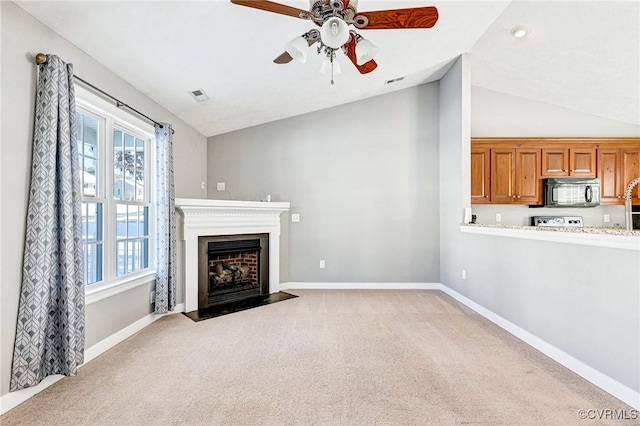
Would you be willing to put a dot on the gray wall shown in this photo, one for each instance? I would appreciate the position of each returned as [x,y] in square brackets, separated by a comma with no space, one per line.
[455,164]
[583,300]
[496,114]
[22,37]
[363,177]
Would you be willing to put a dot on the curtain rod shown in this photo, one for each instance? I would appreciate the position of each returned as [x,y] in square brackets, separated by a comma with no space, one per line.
[41,58]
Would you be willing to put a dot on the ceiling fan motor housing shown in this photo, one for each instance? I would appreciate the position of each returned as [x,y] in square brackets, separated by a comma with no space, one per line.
[325,9]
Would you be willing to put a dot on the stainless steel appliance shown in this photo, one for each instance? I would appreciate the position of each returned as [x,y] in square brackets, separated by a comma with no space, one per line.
[557,221]
[571,192]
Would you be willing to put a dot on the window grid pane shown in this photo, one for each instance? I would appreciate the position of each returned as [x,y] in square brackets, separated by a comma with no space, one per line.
[129,167]
[87,133]
[132,233]
[92,222]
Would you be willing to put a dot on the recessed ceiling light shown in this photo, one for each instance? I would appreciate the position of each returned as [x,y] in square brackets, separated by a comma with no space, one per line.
[520,31]
[199,95]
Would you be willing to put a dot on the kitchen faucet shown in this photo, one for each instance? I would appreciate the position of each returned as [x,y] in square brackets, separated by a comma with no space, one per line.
[628,213]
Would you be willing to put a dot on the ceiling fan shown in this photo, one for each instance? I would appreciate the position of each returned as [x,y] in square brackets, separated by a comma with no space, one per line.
[334,17]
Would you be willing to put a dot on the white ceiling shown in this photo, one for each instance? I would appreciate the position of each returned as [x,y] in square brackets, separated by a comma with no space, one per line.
[579,55]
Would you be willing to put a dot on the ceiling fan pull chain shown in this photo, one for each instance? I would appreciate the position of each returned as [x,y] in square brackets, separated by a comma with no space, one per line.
[332,56]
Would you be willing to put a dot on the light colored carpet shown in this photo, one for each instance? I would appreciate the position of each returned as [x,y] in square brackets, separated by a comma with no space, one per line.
[325,358]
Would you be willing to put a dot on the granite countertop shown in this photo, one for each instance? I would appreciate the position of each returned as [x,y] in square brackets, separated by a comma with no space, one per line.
[587,230]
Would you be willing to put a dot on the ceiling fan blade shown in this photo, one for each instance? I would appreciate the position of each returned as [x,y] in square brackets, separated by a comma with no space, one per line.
[350,52]
[417,17]
[271,6]
[284,58]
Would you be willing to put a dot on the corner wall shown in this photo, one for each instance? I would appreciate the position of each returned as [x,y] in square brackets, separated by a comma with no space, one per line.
[22,37]
[455,164]
[362,176]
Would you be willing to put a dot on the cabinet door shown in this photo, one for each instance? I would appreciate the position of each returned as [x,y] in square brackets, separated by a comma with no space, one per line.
[582,162]
[480,170]
[528,182]
[555,162]
[630,170]
[503,175]
[609,167]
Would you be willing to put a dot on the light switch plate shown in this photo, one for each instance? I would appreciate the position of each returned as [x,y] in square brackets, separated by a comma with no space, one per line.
[220,186]
[295,217]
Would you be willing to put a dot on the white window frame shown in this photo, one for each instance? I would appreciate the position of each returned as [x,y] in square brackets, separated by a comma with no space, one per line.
[109,117]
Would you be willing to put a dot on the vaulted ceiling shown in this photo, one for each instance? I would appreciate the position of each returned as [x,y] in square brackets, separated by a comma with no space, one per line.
[580,55]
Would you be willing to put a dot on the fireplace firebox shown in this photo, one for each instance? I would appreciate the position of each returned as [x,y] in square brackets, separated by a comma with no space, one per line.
[232,268]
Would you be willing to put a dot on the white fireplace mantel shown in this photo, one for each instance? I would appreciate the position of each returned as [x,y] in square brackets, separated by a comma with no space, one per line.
[204,217]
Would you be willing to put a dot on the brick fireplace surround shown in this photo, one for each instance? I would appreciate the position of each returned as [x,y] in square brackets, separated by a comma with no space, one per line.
[204,217]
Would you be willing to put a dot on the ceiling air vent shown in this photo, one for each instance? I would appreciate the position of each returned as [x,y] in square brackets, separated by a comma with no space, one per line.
[394,80]
[199,95]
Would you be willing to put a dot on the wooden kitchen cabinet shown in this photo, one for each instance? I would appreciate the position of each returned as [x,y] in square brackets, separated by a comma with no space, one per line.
[609,167]
[511,170]
[617,167]
[574,162]
[480,176]
[630,170]
[515,177]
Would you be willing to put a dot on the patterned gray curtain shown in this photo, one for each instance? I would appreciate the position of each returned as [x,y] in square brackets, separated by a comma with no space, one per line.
[165,222]
[50,329]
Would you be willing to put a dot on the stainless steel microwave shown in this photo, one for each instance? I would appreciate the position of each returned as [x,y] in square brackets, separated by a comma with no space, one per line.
[571,192]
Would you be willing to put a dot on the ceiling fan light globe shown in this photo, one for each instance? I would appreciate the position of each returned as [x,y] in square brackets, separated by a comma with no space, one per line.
[365,51]
[297,48]
[325,68]
[334,32]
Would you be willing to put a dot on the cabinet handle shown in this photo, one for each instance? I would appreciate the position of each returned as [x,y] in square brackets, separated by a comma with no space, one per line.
[619,196]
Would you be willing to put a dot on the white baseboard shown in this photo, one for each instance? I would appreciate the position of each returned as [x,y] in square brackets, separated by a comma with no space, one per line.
[358,286]
[604,382]
[12,399]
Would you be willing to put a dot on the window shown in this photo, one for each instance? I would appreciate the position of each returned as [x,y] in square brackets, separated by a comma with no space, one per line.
[114,152]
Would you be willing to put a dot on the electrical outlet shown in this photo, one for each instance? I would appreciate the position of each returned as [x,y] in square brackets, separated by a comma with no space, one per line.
[322,264]
[152,297]
[607,218]
[295,217]
[464,274]
[202,185]
[498,217]
[220,186]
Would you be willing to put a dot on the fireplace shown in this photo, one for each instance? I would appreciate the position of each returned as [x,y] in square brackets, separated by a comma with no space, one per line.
[226,218]
[231,268]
